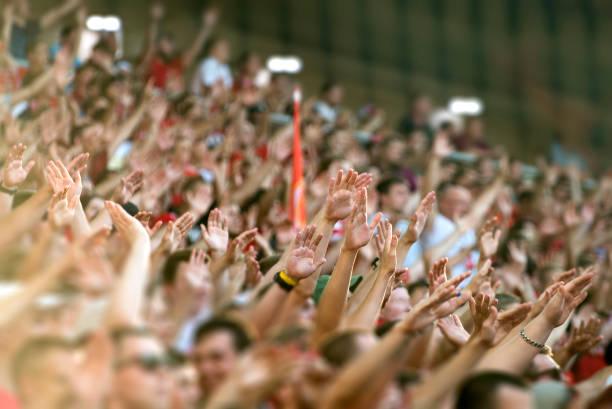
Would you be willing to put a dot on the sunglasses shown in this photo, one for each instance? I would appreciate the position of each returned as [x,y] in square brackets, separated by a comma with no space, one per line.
[149,363]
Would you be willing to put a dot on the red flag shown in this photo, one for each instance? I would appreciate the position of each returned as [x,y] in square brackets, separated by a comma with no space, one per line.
[297,204]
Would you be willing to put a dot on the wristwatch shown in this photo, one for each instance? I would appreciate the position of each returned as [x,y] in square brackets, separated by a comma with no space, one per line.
[7,190]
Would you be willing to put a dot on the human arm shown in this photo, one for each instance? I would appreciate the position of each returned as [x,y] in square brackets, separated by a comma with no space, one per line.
[127,296]
[582,339]
[366,313]
[54,15]
[330,308]
[209,18]
[14,173]
[514,354]
[302,263]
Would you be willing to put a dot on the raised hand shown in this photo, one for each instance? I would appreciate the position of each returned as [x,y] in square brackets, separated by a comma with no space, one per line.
[486,332]
[302,263]
[240,243]
[253,270]
[566,298]
[128,227]
[176,231]
[128,186]
[453,330]
[388,258]
[584,337]
[543,300]
[61,212]
[340,199]
[437,274]
[441,146]
[358,233]
[59,178]
[157,11]
[480,309]
[14,170]
[484,275]
[144,218]
[444,300]
[216,235]
[488,240]
[418,219]
[78,164]
[506,320]
[210,17]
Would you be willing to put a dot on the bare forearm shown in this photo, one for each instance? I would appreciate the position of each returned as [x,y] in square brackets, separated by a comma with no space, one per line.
[331,305]
[514,356]
[366,314]
[128,294]
[262,314]
[448,376]
[80,225]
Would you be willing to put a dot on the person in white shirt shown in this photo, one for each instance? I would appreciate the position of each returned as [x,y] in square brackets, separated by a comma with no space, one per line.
[214,69]
[454,203]
[328,106]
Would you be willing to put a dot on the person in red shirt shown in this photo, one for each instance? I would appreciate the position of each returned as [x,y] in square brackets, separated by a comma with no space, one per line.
[162,61]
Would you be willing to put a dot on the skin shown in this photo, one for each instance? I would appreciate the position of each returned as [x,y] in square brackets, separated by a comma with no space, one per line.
[136,387]
[394,202]
[214,357]
[455,203]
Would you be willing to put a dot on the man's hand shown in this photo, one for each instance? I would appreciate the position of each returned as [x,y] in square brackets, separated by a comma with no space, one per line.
[253,270]
[59,178]
[506,320]
[61,212]
[216,236]
[437,274]
[479,307]
[157,11]
[567,297]
[441,146]
[144,218]
[301,263]
[210,17]
[358,233]
[340,199]
[238,246]
[453,330]
[488,241]
[486,317]
[388,258]
[77,164]
[128,227]
[14,171]
[418,219]
[584,337]
[128,186]
[444,300]
[176,232]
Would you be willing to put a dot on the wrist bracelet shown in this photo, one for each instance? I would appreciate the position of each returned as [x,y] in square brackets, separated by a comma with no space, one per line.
[284,281]
[544,349]
[7,190]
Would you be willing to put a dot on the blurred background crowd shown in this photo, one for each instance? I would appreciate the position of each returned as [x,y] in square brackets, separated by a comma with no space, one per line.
[200,221]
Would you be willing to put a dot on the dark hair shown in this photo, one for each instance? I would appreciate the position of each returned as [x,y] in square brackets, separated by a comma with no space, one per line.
[25,359]
[479,391]
[384,186]
[103,46]
[67,30]
[341,347]
[171,266]
[328,85]
[421,283]
[240,337]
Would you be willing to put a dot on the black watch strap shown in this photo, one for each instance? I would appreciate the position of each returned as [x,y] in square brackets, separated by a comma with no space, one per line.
[7,190]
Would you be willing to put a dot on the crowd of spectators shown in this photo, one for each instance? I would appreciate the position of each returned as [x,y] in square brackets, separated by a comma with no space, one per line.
[148,258]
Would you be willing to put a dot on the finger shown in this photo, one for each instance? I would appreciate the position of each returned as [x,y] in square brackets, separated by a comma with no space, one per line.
[375,220]
[29,166]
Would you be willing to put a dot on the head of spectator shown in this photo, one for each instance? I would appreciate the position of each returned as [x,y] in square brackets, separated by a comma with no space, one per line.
[141,376]
[455,201]
[494,390]
[217,347]
[393,195]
